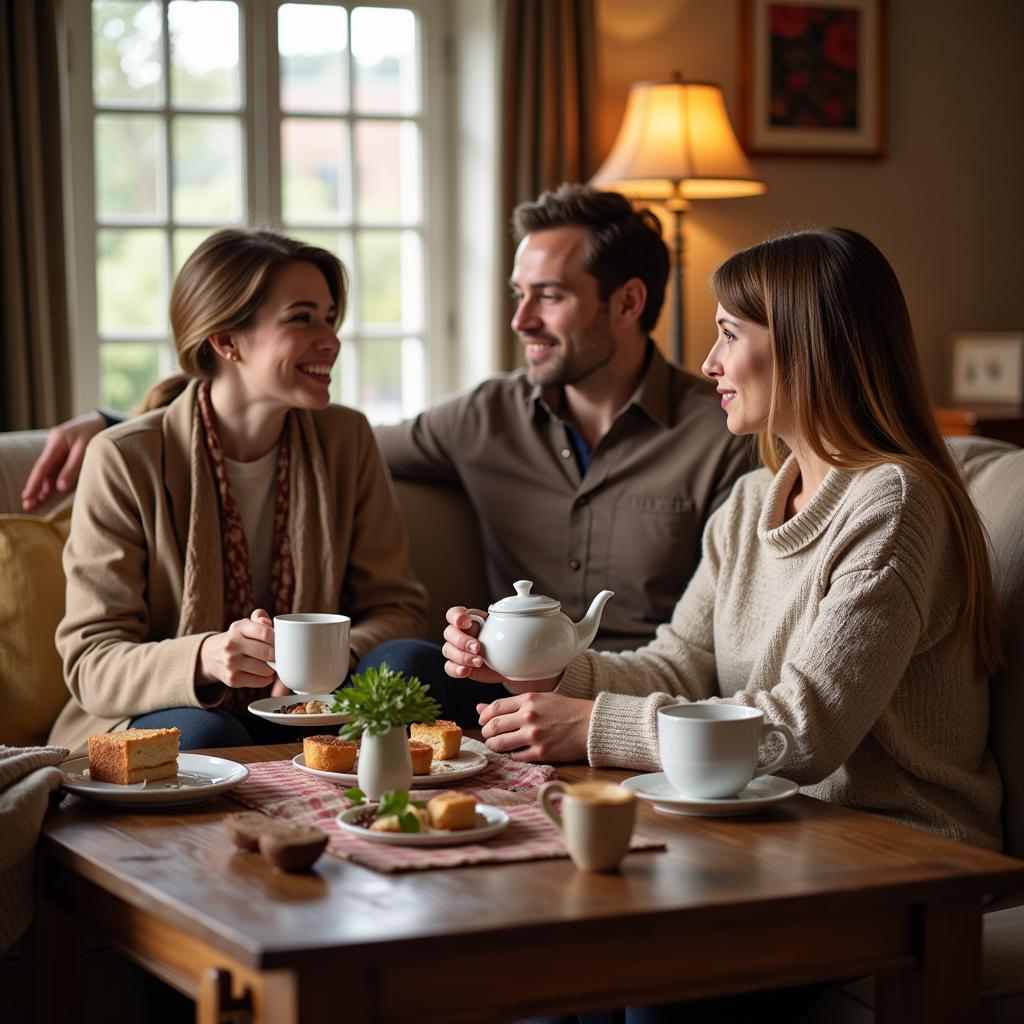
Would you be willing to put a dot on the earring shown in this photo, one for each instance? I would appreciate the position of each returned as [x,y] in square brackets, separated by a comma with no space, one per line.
[233,356]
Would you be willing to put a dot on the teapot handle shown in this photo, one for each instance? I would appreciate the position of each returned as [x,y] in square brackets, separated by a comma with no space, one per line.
[477,619]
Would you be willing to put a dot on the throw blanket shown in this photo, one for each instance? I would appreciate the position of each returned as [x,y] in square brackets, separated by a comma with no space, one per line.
[27,777]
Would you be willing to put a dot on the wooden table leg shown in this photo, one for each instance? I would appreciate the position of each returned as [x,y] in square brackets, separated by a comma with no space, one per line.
[944,987]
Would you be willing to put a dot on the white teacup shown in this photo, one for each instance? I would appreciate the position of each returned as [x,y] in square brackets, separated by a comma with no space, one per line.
[596,821]
[710,750]
[311,651]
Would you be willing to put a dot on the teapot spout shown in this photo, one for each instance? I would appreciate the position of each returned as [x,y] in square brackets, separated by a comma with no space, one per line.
[586,628]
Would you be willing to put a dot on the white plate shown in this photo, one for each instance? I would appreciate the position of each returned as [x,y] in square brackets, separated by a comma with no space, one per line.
[199,778]
[268,708]
[489,822]
[762,792]
[462,767]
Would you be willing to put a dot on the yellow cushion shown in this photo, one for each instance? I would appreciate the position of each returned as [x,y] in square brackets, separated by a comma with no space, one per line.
[32,690]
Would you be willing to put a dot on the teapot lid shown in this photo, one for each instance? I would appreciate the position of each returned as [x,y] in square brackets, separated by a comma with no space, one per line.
[524,602]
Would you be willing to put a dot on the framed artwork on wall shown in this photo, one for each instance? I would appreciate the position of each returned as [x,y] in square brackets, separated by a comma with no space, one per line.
[988,367]
[812,78]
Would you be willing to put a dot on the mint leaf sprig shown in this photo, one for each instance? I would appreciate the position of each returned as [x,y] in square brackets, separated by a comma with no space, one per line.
[380,698]
[394,801]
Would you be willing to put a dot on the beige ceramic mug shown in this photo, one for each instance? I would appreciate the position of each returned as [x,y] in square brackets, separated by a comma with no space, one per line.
[596,821]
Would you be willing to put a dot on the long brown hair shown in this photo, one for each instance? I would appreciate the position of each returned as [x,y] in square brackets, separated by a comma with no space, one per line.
[845,363]
[221,286]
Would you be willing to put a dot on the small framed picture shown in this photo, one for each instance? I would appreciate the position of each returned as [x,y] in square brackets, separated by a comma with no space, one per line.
[812,78]
[988,367]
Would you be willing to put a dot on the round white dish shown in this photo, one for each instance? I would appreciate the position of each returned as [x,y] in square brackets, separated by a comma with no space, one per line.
[269,707]
[489,822]
[465,765]
[199,778]
[760,793]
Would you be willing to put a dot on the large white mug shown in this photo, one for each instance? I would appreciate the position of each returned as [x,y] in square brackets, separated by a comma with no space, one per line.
[311,651]
[711,750]
[596,821]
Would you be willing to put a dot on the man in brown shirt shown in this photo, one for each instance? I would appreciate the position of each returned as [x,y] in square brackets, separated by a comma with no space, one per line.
[594,468]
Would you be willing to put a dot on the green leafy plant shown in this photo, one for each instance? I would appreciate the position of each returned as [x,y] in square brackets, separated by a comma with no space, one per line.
[380,698]
[394,801]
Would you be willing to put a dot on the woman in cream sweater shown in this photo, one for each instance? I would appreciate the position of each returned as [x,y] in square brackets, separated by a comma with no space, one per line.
[248,495]
[844,589]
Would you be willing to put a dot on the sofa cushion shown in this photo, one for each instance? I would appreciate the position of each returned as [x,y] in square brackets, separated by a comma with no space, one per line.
[31,604]
[995,475]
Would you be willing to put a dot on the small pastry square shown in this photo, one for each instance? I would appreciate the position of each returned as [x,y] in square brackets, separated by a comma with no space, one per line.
[444,737]
[421,755]
[329,753]
[452,811]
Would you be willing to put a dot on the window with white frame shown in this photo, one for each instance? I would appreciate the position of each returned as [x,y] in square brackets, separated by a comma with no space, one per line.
[321,118]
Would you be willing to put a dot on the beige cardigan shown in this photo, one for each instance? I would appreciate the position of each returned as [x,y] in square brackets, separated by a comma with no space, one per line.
[143,559]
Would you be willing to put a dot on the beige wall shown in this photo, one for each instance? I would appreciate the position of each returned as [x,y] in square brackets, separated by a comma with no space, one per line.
[946,204]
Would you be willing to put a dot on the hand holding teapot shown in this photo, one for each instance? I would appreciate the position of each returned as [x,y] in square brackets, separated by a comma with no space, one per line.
[525,637]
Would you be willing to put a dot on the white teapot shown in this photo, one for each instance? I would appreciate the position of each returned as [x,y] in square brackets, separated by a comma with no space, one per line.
[527,637]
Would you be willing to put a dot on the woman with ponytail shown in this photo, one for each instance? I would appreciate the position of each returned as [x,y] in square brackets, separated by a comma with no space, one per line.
[844,589]
[240,494]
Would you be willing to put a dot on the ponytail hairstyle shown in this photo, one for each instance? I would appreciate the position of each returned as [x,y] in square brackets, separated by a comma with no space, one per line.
[220,288]
[845,364]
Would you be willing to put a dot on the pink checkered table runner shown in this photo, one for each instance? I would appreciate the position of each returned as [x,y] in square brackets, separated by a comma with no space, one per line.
[281,790]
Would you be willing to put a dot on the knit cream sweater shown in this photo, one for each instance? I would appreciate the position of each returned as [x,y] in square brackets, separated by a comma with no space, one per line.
[836,622]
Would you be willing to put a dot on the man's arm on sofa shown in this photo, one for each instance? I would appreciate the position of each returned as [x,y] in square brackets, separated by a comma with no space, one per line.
[425,447]
[57,468]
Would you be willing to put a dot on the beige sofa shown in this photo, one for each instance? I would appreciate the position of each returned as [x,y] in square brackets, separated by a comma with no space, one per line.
[446,548]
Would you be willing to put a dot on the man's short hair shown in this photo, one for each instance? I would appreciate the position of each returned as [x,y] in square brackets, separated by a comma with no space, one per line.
[623,242]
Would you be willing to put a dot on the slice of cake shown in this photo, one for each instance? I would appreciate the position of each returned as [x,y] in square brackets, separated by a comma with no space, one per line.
[421,754]
[452,811]
[329,753]
[445,738]
[133,756]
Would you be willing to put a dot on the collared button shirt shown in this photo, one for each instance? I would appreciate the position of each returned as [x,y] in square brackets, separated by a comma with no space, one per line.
[631,523]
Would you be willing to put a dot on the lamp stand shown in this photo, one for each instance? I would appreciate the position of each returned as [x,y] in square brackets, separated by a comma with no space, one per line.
[677,207]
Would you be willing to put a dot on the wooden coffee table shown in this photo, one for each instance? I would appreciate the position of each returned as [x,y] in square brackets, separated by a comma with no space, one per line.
[803,892]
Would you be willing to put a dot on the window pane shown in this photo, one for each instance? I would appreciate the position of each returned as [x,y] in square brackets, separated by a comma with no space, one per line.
[130,285]
[414,376]
[184,243]
[386,297]
[126,52]
[316,180]
[129,166]
[388,171]
[127,371]
[204,54]
[313,43]
[384,50]
[380,380]
[207,168]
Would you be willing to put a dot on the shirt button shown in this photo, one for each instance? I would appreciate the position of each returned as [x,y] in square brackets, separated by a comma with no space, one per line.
[574,564]
[566,454]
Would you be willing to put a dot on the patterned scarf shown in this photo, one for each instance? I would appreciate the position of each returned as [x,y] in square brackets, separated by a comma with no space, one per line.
[239,595]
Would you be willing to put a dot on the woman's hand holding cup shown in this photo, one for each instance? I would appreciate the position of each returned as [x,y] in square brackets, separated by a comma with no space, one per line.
[238,657]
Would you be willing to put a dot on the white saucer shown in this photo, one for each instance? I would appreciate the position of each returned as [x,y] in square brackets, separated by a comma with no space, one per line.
[489,822]
[465,765]
[199,778]
[269,708]
[762,792]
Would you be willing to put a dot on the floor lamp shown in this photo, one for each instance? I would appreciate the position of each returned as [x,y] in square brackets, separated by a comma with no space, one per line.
[676,144]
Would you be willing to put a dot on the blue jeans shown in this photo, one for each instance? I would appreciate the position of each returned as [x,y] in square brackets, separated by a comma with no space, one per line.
[458,697]
[214,727]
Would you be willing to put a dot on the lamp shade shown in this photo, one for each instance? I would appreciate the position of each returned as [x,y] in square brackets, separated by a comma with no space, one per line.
[676,142]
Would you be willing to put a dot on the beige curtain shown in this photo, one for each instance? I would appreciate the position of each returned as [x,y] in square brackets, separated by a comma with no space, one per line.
[548,96]
[35,383]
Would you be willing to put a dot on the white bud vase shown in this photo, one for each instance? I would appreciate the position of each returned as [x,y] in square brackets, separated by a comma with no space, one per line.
[384,762]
